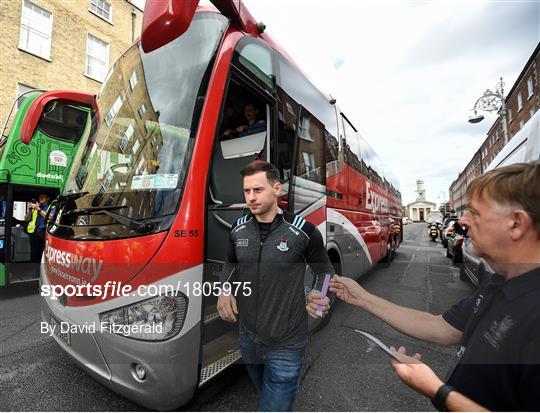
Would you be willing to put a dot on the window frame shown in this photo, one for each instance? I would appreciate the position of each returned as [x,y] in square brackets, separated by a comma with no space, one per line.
[519,102]
[133,84]
[51,22]
[530,87]
[86,73]
[142,110]
[95,13]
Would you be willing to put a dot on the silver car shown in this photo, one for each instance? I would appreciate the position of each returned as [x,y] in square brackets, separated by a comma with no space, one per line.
[474,268]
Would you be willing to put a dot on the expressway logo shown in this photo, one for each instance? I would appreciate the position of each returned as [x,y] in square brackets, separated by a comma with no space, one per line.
[86,265]
[375,201]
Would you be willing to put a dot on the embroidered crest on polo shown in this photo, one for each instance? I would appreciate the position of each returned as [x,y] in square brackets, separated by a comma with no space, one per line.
[282,246]
[497,331]
[242,242]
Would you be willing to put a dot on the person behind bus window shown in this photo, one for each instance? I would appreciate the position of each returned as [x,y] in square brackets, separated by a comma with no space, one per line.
[252,125]
[248,126]
[229,123]
[36,225]
[267,254]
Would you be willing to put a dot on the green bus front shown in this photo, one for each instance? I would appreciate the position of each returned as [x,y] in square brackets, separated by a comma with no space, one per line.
[27,170]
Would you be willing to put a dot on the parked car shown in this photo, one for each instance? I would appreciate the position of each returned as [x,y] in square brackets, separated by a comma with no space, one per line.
[406,221]
[474,268]
[453,247]
[447,231]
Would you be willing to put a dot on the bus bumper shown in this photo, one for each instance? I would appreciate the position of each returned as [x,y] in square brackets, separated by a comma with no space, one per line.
[171,367]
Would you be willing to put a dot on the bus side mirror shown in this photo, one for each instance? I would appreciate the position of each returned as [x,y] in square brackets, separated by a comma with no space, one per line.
[164,21]
[46,102]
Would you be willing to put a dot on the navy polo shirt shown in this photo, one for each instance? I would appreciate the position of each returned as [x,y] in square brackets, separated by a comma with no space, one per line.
[498,365]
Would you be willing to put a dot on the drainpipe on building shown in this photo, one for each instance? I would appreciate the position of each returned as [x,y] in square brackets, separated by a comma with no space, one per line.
[133,16]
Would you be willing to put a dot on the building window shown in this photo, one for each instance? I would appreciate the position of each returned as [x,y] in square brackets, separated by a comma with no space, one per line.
[36,30]
[133,80]
[509,115]
[142,110]
[127,136]
[97,58]
[309,161]
[115,108]
[304,131]
[520,102]
[102,8]
[20,90]
[529,87]
[521,123]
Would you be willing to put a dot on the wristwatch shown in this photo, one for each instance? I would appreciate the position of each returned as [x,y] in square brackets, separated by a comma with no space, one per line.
[439,401]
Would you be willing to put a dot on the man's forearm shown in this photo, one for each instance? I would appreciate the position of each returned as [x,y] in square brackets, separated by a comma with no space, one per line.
[414,323]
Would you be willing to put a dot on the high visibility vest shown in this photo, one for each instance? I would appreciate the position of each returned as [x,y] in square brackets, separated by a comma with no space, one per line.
[32,224]
[31,228]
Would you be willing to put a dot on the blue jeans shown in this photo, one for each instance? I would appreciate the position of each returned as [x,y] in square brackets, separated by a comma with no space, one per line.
[275,371]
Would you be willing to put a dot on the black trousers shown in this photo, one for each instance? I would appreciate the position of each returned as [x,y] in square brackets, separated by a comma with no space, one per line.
[37,243]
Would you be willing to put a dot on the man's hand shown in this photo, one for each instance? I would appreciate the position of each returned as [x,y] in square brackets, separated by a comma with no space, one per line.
[226,307]
[348,290]
[314,300]
[415,374]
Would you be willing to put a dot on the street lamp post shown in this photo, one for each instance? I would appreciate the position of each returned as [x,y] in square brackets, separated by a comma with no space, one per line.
[492,102]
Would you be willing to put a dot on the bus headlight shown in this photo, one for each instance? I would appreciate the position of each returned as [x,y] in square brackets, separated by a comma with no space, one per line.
[157,318]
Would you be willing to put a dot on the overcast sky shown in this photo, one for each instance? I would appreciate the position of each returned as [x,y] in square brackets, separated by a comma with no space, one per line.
[407,72]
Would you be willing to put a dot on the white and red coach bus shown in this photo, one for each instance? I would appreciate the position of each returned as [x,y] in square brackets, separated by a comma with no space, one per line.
[155,188]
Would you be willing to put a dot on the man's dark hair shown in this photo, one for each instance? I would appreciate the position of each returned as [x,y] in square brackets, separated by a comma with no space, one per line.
[272,173]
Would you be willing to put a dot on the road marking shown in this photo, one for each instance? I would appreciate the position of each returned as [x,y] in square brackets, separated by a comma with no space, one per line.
[407,269]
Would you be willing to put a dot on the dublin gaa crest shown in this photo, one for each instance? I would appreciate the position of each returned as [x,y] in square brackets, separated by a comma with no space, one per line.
[282,246]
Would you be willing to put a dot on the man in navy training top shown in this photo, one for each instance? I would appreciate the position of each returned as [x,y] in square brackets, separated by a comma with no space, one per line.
[268,251]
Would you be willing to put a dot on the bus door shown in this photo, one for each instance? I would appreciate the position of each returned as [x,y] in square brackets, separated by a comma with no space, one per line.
[19,258]
[242,135]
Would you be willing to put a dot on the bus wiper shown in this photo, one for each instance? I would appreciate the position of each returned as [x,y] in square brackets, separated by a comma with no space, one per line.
[66,196]
[128,222]
[61,200]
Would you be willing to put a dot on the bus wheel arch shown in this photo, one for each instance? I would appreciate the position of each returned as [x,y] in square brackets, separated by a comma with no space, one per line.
[335,259]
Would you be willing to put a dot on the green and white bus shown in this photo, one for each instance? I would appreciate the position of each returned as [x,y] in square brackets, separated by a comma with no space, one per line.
[35,158]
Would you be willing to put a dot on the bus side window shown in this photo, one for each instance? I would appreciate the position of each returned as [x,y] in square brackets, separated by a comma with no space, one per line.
[311,163]
[287,121]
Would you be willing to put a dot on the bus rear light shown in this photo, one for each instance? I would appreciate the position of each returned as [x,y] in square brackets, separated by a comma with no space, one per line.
[154,319]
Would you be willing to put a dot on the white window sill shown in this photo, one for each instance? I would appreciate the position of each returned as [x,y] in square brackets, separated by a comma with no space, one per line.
[92,77]
[101,17]
[530,96]
[48,59]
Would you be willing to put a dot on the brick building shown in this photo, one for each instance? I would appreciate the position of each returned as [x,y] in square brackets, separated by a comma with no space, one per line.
[522,101]
[458,201]
[58,44]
